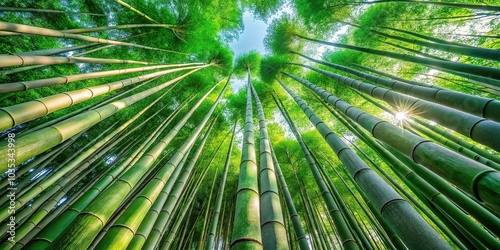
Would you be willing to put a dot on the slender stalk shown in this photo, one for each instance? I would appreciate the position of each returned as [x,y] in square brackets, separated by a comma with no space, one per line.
[448,4]
[117,27]
[294,216]
[210,242]
[461,50]
[13,9]
[126,5]
[471,104]
[272,223]
[49,52]
[33,30]
[483,71]
[348,241]
[23,86]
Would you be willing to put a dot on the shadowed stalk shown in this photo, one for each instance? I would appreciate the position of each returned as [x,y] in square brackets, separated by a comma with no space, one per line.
[345,235]
[210,242]
[472,177]
[475,105]
[398,213]
[408,173]
[488,72]
[477,128]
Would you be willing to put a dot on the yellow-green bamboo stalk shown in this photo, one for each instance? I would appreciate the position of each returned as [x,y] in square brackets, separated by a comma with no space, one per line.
[210,241]
[40,141]
[13,9]
[33,30]
[117,27]
[48,52]
[168,207]
[136,10]
[23,112]
[91,220]
[78,161]
[17,60]
[25,85]
[57,226]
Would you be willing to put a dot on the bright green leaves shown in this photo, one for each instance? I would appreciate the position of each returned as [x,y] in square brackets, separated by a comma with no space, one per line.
[248,61]
[281,34]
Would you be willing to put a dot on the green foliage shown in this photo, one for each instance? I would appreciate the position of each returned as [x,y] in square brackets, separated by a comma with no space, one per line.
[281,34]
[270,66]
[247,62]
[319,14]
[222,57]
[262,9]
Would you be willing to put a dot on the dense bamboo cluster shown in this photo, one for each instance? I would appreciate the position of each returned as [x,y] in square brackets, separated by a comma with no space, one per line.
[98,153]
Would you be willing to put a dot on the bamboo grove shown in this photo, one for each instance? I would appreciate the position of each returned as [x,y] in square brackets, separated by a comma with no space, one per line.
[365,125]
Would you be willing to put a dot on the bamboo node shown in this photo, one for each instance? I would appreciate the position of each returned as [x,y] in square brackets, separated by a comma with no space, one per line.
[476,180]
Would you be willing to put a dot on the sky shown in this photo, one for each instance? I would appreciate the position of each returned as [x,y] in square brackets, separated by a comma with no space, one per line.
[252,37]
[254,32]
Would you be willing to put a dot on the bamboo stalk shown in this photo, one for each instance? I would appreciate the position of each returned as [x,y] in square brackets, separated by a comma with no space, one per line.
[69,215]
[82,161]
[394,209]
[475,105]
[117,191]
[49,52]
[272,223]
[246,227]
[487,72]
[348,240]
[116,27]
[24,112]
[17,60]
[211,237]
[136,10]
[33,30]
[13,9]
[165,215]
[23,86]
[422,184]
[30,145]
[462,50]
[297,225]
[478,129]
